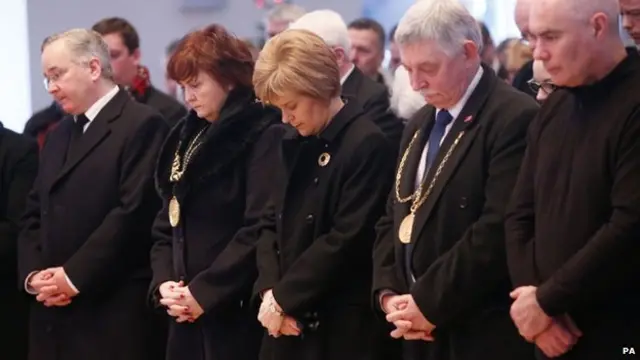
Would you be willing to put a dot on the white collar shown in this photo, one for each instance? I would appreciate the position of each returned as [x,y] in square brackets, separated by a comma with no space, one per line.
[346,75]
[95,109]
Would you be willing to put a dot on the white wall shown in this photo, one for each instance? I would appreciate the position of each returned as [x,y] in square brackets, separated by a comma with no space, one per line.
[157,21]
[15,91]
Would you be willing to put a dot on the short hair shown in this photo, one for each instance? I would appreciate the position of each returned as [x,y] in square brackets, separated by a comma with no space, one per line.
[84,46]
[223,56]
[447,22]
[328,25]
[296,61]
[370,24]
[285,13]
[120,26]
[392,33]
[171,48]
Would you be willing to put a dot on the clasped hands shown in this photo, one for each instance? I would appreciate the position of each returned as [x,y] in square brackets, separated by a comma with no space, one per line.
[403,312]
[554,336]
[274,319]
[52,287]
[179,301]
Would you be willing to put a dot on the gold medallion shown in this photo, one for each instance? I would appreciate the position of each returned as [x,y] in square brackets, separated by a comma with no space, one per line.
[406,228]
[324,159]
[174,212]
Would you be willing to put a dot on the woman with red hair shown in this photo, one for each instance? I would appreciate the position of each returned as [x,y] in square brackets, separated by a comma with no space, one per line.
[213,176]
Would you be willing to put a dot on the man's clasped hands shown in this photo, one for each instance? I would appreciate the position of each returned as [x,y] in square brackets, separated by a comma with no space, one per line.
[51,287]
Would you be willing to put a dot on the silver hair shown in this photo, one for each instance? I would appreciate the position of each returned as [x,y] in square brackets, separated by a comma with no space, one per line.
[447,22]
[328,25]
[84,45]
[285,13]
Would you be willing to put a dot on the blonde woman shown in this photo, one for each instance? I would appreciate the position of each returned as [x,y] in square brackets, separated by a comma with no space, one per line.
[314,252]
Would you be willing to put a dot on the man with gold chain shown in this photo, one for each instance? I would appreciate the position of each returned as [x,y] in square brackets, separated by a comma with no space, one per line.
[440,271]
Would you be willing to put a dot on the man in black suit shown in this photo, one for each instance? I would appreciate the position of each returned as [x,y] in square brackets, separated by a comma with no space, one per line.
[372,96]
[124,49]
[84,249]
[18,169]
[440,271]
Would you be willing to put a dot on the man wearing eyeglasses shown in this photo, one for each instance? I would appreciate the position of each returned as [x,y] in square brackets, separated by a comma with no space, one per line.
[630,11]
[83,253]
[541,83]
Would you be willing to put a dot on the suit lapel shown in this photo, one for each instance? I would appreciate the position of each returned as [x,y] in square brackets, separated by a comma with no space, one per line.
[352,83]
[97,131]
[465,127]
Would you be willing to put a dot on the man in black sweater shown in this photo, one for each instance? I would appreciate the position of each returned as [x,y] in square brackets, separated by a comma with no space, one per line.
[573,227]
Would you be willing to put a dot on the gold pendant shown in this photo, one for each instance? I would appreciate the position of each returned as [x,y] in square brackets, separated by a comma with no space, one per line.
[406,228]
[174,212]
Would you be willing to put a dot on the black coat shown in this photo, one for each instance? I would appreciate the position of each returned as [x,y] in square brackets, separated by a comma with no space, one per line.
[169,108]
[459,256]
[315,246]
[92,215]
[222,195]
[374,99]
[18,169]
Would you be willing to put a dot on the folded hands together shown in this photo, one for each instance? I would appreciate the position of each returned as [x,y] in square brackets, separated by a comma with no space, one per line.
[179,301]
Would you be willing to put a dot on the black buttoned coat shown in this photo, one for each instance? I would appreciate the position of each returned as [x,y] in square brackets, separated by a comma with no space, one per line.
[315,246]
[222,194]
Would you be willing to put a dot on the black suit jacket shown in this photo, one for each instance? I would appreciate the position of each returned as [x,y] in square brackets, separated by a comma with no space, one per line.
[374,99]
[18,169]
[459,252]
[92,215]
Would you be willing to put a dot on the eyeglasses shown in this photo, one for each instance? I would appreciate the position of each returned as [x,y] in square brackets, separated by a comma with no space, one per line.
[54,78]
[547,86]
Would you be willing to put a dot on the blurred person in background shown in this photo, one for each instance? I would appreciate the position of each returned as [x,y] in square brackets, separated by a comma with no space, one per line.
[394,60]
[522,77]
[368,39]
[214,176]
[331,185]
[18,169]
[541,82]
[280,17]
[43,122]
[124,49]
[630,10]
[372,96]
[170,85]
[517,56]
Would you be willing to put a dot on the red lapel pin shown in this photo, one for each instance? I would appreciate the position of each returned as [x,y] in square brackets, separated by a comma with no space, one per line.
[468,119]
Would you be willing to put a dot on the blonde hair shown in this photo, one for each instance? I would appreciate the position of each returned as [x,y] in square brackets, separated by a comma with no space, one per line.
[296,62]
[517,54]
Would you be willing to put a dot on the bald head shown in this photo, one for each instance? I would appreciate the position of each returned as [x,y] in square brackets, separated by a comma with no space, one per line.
[577,40]
[523,7]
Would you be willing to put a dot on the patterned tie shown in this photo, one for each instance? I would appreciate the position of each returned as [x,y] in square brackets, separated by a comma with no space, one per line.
[443,119]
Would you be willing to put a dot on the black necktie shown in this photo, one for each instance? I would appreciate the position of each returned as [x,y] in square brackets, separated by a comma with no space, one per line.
[78,129]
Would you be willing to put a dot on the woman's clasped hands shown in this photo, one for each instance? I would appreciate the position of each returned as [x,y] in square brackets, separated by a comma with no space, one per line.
[179,301]
[274,319]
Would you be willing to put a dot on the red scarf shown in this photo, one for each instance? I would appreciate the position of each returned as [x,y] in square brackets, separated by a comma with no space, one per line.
[141,84]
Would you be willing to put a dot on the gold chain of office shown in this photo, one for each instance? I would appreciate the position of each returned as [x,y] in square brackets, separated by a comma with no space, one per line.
[418,196]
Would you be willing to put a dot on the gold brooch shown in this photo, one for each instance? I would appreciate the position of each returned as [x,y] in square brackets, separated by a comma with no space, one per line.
[324,159]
